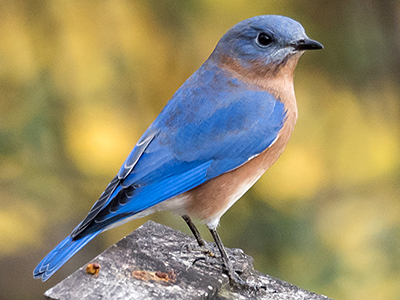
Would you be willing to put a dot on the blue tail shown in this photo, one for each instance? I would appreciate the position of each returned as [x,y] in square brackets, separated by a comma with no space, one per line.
[60,254]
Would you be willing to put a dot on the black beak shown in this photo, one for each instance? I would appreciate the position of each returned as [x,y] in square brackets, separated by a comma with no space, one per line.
[307,44]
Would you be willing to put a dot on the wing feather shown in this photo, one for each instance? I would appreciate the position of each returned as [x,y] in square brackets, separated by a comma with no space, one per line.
[201,133]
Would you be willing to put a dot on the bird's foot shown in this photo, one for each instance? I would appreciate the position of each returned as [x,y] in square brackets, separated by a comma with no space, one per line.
[201,242]
[201,246]
[236,281]
[204,249]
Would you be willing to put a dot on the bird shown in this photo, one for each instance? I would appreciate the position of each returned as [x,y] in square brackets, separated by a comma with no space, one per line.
[220,131]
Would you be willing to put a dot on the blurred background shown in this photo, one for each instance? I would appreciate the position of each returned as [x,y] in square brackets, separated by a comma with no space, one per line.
[80,81]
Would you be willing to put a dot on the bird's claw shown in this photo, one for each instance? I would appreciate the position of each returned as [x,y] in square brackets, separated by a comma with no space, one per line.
[204,249]
[238,282]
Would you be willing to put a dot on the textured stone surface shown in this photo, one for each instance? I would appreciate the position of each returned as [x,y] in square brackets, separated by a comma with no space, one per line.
[157,262]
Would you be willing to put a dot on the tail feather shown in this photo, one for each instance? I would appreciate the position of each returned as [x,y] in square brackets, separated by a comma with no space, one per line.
[60,255]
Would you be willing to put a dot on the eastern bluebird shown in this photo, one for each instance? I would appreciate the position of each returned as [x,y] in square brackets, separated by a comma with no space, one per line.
[223,128]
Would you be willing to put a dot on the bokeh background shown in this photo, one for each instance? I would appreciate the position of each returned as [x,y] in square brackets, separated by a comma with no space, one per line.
[81,80]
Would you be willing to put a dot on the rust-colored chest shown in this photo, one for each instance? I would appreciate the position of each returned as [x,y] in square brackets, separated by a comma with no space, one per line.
[211,200]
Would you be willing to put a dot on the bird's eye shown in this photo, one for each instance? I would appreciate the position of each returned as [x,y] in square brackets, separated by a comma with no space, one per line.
[264,39]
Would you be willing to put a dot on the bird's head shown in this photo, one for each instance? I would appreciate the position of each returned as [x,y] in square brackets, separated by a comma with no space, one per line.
[264,42]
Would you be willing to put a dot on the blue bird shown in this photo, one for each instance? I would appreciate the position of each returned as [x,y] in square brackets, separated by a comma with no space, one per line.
[222,129]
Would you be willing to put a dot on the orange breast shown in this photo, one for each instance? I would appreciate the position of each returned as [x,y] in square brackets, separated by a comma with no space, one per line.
[209,201]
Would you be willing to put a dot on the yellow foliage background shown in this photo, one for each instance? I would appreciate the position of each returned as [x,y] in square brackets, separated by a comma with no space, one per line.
[81,80]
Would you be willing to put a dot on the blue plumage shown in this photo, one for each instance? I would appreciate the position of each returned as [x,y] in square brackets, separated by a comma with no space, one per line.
[60,255]
[190,147]
[213,124]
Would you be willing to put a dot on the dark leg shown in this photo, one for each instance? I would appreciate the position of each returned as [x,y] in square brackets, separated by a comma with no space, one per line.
[194,230]
[232,274]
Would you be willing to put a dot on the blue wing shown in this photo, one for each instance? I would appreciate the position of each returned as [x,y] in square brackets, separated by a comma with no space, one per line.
[202,125]
[114,186]
[213,124]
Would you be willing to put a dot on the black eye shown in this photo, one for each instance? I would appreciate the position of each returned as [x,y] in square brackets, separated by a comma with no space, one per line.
[264,39]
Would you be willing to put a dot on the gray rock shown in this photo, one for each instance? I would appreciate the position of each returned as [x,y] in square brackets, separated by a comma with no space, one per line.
[157,262]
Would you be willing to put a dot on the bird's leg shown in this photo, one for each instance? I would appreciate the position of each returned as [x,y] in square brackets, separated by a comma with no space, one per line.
[194,230]
[196,233]
[233,276]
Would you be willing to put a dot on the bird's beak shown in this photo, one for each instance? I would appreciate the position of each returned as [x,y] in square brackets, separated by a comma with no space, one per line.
[307,44]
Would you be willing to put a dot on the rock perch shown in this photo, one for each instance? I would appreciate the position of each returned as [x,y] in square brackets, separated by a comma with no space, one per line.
[157,262]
